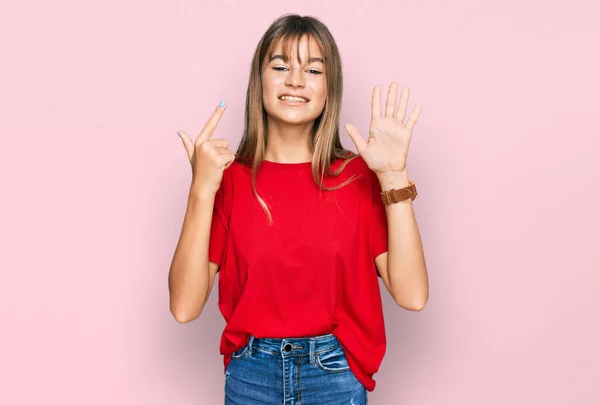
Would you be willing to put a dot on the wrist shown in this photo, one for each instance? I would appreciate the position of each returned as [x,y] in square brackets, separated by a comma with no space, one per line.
[199,192]
[393,179]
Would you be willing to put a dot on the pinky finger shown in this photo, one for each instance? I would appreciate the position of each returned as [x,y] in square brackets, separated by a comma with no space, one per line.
[229,159]
[414,116]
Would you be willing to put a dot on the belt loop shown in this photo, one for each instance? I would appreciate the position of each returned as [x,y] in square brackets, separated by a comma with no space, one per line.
[312,351]
[250,341]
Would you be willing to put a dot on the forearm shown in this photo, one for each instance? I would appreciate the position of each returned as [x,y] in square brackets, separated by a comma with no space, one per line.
[406,266]
[189,272]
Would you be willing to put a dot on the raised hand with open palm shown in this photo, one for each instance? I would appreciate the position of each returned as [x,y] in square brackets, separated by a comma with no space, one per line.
[389,138]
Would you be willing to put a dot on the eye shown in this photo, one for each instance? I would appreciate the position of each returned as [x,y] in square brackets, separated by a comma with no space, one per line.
[281,69]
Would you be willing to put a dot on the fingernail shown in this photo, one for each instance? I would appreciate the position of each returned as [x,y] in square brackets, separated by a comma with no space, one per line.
[178,134]
[222,104]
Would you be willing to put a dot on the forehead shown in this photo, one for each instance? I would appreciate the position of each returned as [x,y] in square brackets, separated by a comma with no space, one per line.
[305,49]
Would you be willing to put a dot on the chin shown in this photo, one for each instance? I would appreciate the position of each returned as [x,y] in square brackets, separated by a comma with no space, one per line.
[293,117]
[294,120]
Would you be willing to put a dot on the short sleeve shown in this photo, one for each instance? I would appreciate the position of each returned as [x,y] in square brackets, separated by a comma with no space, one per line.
[220,221]
[379,227]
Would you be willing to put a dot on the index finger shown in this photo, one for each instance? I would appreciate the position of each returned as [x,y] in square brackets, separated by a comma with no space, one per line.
[211,124]
[376,103]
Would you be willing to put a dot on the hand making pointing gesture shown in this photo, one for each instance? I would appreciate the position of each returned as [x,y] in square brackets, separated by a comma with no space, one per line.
[208,157]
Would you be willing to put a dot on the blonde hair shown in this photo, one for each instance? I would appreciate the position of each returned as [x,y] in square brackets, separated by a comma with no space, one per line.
[325,139]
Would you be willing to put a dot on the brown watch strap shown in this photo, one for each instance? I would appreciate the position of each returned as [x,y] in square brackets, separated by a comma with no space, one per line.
[396,195]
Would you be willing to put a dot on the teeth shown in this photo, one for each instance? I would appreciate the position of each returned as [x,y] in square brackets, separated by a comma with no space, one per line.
[290,98]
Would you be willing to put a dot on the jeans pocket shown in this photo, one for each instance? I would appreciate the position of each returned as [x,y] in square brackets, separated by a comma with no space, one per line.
[240,353]
[333,360]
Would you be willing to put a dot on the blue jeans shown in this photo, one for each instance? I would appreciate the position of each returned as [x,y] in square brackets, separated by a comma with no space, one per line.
[292,371]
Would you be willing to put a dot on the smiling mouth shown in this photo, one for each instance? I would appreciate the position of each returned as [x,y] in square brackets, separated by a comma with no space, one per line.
[293,100]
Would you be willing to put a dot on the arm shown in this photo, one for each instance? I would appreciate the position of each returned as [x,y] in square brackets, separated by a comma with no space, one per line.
[403,267]
[191,275]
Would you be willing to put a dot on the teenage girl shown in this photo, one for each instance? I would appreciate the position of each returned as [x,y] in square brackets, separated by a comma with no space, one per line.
[300,229]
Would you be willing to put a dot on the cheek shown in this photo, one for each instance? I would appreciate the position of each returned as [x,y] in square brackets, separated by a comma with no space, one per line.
[266,89]
[321,88]
[267,93]
[322,92]
[270,86]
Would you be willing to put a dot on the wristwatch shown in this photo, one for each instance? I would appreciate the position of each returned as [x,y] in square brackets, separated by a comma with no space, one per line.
[396,195]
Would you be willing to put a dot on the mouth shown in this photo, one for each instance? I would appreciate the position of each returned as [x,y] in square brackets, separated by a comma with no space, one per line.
[293,100]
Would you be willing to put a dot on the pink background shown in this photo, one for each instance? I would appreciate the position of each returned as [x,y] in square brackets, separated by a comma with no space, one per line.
[95,181]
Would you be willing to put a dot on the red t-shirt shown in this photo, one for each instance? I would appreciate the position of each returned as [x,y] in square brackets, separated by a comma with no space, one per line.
[313,271]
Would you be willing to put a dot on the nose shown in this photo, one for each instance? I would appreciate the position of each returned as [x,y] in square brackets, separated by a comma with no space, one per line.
[295,78]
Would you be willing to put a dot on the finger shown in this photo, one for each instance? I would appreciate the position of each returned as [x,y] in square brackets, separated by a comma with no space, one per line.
[223,151]
[211,124]
[390,106]
[220,143]
[187,143]
[229,163]
[401,112]
[376,103]
[356,137]
[412,120]
[226,159]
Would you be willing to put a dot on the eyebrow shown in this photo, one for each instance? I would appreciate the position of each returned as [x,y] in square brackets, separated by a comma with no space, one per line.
[312,60]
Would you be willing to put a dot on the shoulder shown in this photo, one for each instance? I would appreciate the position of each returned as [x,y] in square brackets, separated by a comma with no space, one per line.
[236,171]
[238,168]
[361,178]
[233,177]
[356,165]
[360,164]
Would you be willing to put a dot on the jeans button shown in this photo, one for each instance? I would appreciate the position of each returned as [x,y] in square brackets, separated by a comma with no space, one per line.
[287,347]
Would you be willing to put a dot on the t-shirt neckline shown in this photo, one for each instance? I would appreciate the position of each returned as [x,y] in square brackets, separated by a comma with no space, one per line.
[296,164]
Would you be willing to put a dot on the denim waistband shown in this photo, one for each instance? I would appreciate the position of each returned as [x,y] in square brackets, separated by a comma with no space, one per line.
[294,346]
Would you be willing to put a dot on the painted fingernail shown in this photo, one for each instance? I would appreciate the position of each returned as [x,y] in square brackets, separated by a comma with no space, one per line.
[178,134]
[222,104]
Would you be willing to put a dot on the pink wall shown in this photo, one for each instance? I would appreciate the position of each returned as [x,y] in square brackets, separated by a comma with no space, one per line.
[94,187]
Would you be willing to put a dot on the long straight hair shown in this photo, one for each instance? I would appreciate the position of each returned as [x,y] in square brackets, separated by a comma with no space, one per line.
[325,143]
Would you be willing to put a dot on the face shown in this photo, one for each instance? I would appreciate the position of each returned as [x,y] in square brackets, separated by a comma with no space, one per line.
[306,80]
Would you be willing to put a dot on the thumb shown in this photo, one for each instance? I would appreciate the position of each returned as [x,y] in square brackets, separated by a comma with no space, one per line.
[356,137]
[187,143]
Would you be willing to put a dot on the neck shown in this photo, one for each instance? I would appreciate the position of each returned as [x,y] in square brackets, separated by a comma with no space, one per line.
[288,143]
